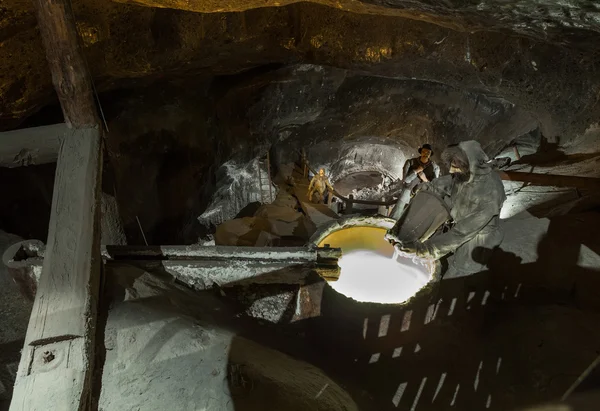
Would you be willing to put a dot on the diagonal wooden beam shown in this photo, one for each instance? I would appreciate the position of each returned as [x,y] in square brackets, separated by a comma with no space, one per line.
[57,358]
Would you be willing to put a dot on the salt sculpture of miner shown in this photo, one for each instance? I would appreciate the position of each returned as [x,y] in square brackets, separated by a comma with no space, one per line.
[320,184]
[475,194]
[416,170]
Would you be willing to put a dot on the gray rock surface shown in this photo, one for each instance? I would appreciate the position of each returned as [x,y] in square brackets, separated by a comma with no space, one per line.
[14,318]
[158,358]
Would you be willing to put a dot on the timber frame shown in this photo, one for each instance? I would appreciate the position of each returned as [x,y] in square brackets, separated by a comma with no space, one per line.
[56,367]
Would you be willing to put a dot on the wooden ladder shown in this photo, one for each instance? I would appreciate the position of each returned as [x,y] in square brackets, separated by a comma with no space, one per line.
[266,193]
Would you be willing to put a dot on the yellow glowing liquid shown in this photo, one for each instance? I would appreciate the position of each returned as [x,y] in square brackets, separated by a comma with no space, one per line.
[370,269]
[360,238]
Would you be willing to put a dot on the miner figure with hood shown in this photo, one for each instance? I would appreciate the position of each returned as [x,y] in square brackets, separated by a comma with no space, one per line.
[416,170]
[475,195]
[320,184]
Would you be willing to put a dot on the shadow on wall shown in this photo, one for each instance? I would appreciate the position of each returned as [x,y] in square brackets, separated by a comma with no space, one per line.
[515,335]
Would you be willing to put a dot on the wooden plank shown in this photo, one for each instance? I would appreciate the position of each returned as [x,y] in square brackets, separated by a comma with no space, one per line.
[554,180]
[30,146]
[55,368]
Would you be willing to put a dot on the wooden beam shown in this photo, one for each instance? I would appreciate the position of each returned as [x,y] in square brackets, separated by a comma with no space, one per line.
[584,183]
[292,255]
[67,62]
[56,365]
[31,146]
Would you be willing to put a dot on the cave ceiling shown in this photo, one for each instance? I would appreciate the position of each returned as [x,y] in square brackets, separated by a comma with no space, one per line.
[538,55]
[559,21]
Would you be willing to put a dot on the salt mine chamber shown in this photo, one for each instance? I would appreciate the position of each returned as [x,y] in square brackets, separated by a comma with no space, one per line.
[370,268]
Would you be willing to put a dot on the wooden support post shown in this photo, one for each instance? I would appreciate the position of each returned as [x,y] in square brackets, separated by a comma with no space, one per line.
[57,359]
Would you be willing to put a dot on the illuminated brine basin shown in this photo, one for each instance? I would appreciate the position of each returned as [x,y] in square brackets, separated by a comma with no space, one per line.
[370,269]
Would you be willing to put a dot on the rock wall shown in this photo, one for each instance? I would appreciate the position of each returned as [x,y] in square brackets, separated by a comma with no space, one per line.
[238,184]
[375,123]
[134,46]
